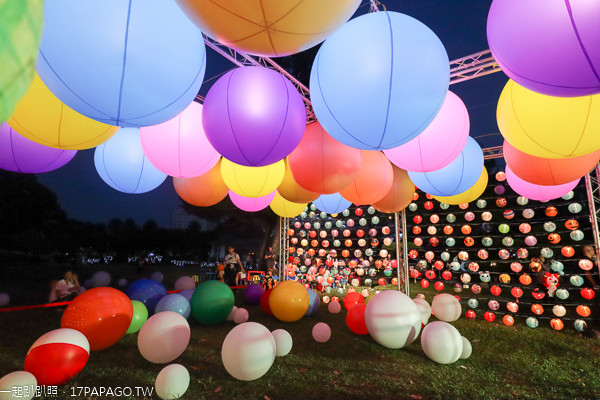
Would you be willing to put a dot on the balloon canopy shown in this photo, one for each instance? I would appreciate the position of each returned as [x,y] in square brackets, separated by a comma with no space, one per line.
[19,154]
[179,147]
[275,29]
[252,181]
[551,47]
[121,163]
[374,180]
[332,203]
[285,208]
[457,177]
[400,194]
[293,192]
[537,192]
[470,194]
[546,126]
[251,204]
[204,190]
[125,63]
[374,55]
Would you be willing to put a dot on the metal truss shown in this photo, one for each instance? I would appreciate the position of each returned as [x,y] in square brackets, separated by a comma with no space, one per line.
[473,66]
[284,224]
[592,186]
[402,252]
[493,152]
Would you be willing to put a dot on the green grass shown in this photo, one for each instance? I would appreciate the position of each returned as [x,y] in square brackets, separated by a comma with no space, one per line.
[507,363]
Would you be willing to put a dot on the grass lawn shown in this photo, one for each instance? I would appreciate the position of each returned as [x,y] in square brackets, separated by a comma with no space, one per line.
[507,363]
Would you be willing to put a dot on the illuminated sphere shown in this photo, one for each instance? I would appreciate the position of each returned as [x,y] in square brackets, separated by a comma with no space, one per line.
[374,180]
[537,192]
[289,301]
[457,177]
[548,127]
[251,204]
[439,144]
[264,112]
[163,337]
[332,203]
[252,181]
[179,147]
[550,48]
[122,164]
[291,191]
[399,195]
[362,57]
[442,342]
[471,193]
[204,190]
[107,60]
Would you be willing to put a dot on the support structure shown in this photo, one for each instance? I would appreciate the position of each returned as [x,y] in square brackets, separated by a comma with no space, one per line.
[402,252]
[493,152]
[592,186]
[473,66]
[283,247]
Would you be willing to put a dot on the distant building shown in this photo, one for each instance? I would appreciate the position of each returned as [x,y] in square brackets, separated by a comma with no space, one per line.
[180,219]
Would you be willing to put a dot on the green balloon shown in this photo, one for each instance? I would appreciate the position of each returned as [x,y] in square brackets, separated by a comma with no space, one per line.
[140,315]
[212,302]
[20,32]
[532,322]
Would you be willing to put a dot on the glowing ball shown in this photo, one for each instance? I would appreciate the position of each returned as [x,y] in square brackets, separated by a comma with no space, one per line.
[121,71]
[172,382]
[583,311]
[289,301]
[575,208]
[102,314]
[332,203]
[212,302]
[185,283]
[528,213]
[352,299]
[265,116]
[439,144]
[314,301]
[140,315]
[57,356]
[248,351]
[334,307]
[274,29]
[240,316]
[391,317]
[457,177]
[163,337]
[399,195]
[398,109]
[147,291]
[251,204]
[174,302]
[321,332]
[285,208]
[204,190]
[355,319]
[580,325]
[442,342]
[568,196]
[374,180]
[283,342]
[556,324]
[550,49]
[489,316]
[293,192]
[44,119]
[321,164]
[587,293]
[252,181]
[18,379]
[548,127]
[576,235]
[179,147]
[537,192]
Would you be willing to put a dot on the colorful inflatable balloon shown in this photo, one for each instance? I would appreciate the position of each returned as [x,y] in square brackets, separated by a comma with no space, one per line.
[134,63]
[251,204]
[537,192]
[470,194]
[400,194]
[374,180]
[285,208]
[293,192]
[204,190]
[252,181]
[373,55]
[332,203]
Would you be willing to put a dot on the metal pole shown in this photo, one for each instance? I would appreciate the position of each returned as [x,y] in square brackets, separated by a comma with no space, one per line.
[589,181]
[397,228]
[405,253]
[280,247]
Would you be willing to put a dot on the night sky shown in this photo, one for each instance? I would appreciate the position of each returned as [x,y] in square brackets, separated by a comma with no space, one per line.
[460,24]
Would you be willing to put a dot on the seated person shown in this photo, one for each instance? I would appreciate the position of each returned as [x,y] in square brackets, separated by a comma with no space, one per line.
[65,289]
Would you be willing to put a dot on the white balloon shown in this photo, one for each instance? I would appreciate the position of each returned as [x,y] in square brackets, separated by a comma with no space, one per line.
[164,337]
[424,309]
[4,299]
[441,342]
[232,313]
[467,348]
[364,293]
[283,342]
[101,278]
[240,316]
[334,307]
[157,276]
[185,283]
[392,318]
[172,382]
[446,307]
[321,332]
[18,379]
[248,351]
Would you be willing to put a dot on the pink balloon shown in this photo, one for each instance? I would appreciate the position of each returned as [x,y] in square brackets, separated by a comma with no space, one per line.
[251,204]
[439,144]
[179,147]
[537,192]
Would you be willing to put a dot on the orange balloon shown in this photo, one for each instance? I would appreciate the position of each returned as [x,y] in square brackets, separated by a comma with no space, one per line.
[293,192]
[321,164]
[548,171]
[374,180]
[102,314]
[399,196]
[204,190]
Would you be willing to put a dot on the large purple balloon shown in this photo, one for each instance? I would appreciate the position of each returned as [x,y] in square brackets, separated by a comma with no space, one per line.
[253,293]
[254,116]
[548,46]
[20,154]
[251,204]
[537,192]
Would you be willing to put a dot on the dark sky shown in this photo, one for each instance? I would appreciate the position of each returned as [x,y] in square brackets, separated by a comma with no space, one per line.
[460,24]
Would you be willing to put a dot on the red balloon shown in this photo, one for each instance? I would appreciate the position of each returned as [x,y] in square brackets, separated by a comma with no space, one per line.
[353,299]
[495,290]
[545,171]
[489,316]
[516,292]
[587,293]
[204,190]
[374,179]
[470,315]
[424,283]
[400,194]
[264,302]
[382,281]
[439,286]
[102,314]
[355,319]
[430,274]
[321,164]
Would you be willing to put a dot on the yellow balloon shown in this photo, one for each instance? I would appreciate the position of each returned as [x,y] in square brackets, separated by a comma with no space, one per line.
[272,28]
[41,117]
[252,181]
[289,301]
[547,126]
[285,208]
[469,195]
[293,192]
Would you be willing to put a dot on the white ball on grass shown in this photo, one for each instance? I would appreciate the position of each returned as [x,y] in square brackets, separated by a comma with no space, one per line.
[283,342]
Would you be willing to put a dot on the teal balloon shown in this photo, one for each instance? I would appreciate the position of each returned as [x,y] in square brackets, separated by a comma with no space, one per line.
[313,207]
[576,280]
[413,206]
[303,269]
[450,242]
[532,322]
[317,225]
[473,303]
[557,266]
[444,206]
[323,215]
[336,243]
[562,294]
[303,215]
[455,266]
[522,200]
[575,208]
[302,233]
[445,256]
[576,235]
[508,241]
[487,241]
[569,195]
[311,214]
[371,210]
[328,290]
[212,302]
[369,252]
[339,224]
[140,315]
[328,225]
[375,220]
[580,325]
[387,272]
[334,271]
[546,252]
[341,290]
[549,226]
[451,218]
[346,212]
[368,282]
[362,221]
[481,203]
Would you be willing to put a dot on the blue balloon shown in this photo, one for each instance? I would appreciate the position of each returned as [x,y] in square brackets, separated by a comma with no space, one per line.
[332,203]
[187,294]
[314,302]
[457,177]
[148,291]
[124,63]
[176,303]
[122,164]
[379,80]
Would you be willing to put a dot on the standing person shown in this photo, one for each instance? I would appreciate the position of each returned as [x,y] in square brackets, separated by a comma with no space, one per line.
[270,259]
[233,265]
[65,289]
